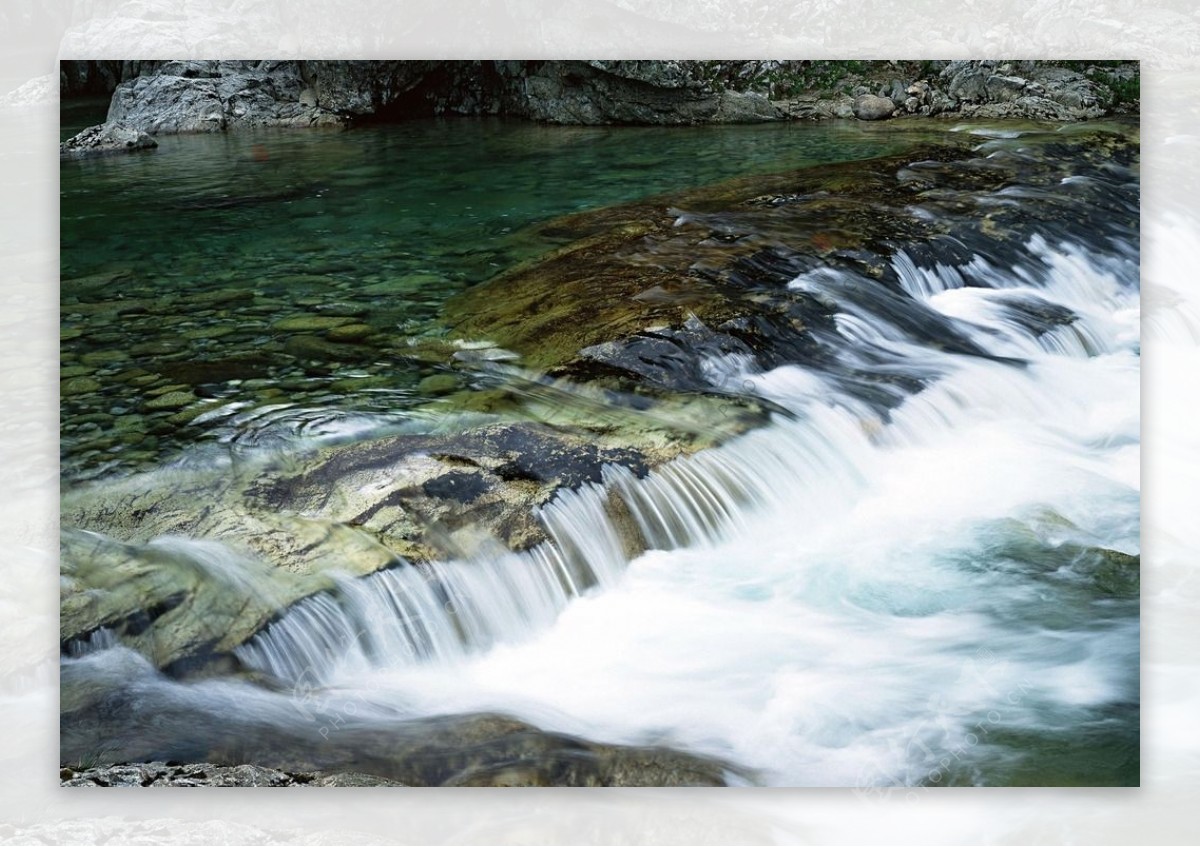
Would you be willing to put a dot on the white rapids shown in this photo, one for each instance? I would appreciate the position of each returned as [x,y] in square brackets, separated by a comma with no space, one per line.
[839,598]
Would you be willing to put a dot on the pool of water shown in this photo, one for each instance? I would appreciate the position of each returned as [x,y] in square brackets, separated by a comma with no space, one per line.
[200,280]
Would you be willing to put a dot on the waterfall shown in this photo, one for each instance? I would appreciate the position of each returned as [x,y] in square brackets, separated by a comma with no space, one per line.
[813,466]
[1061,303]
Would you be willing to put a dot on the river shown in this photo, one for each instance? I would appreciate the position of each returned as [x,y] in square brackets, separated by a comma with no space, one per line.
[921,572]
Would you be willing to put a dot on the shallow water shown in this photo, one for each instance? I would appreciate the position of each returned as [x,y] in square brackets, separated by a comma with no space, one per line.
[178,265]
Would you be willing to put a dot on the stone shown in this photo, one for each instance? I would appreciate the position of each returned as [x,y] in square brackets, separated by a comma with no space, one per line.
[463,750]
[105,139]
[1035,90]
[215,96]
[78,385]
[309,323]
[350,333]
[438,384]
[361,383]
[313,349]
[170,400]
[870,107]
[104,357]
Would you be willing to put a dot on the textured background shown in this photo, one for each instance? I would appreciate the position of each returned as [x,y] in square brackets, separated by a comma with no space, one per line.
[34,34]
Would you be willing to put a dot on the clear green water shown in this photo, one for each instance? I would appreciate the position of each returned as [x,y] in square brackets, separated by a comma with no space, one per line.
[178,264]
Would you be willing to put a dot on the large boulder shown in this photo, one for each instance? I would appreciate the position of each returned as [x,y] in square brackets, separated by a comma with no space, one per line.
[871,107]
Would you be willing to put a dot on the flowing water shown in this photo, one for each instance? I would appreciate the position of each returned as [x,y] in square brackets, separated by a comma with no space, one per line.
[935,588]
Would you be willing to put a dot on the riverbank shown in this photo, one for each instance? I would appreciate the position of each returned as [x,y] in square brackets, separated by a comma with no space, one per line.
[166,97]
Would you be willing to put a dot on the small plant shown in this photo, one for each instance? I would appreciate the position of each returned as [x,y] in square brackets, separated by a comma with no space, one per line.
[93,758]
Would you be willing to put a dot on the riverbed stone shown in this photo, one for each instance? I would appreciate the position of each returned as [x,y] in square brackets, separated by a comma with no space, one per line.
[438,384]
[309,323]
[350,333]
[74,386]
[104,357]
[170,400]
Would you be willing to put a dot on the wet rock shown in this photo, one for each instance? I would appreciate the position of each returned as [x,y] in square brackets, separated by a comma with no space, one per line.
[170,400]
[462,750]
[350,333]
[78,385]
[351,507]
[437,384]
[346,780]
[199,371]
[352,385]
[104,357]
[309,323]
[870,107]
[312,348]
[105,139]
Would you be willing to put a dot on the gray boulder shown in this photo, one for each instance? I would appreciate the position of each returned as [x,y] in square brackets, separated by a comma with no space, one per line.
[216,96]
[869,107]
[104,139]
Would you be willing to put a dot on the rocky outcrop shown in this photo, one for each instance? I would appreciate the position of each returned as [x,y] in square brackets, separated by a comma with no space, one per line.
[1030,90]
[105,139]
[205,96]
[201,96]
[174,96]
[628,92]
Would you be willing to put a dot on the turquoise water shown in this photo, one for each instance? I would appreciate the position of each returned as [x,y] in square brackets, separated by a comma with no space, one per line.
[178,264]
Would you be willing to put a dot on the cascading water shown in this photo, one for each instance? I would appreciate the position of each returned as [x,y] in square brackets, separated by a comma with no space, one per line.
[828,598]
[919,575]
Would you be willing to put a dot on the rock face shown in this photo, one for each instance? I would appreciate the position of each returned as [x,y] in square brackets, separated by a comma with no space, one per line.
[209,96]
[1021,90]
[78,78]
[105,139]
[631,92]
